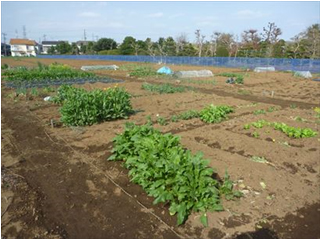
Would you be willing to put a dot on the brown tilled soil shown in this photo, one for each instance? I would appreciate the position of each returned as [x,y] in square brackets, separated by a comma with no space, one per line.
[57,183]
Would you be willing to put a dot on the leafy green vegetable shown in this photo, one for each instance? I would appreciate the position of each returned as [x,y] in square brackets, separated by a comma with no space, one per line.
[289,131]
[52,72]
[169,173]
[161,121]
[215,114]
[260,111]
[81,107]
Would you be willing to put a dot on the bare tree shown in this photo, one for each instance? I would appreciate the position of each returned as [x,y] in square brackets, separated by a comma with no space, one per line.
[271,33]
[136,47]
[181,41]
[297,43]
[312,35]
[228,41]
[214,42]
[251,38]
[199,41]
[271,36]
[150,48]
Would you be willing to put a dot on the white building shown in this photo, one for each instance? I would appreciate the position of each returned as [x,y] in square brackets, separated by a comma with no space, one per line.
[46,45]
[23,47]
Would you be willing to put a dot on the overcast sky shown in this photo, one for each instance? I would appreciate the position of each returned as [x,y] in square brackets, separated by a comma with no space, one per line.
[67,20]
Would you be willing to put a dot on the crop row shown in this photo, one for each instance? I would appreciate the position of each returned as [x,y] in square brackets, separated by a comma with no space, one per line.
[288,130]
[170,173]
[51,72]
[209,114]
[81,107]
[164,88]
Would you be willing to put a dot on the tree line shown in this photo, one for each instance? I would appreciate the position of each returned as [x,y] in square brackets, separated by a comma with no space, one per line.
[251,43]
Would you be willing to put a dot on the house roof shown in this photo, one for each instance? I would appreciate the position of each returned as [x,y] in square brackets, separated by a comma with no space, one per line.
[16,41]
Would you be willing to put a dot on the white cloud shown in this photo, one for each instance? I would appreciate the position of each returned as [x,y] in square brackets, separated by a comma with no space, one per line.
[155,15]
[249,14]
[89,14]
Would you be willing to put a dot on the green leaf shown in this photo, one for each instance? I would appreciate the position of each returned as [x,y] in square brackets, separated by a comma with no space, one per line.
[204,220]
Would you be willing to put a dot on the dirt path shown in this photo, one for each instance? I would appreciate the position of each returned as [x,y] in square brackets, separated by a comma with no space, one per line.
[61,195]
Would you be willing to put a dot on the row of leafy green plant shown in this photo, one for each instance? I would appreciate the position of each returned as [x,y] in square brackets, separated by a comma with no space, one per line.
[263,111]
[164,88]
[288,130]
[81,107]
[170,173]
[209,114]
[54,71]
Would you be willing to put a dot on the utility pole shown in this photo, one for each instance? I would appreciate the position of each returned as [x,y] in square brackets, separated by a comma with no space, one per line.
[24,32]
[44,37]
[17,33]
[5,45]
[85,38]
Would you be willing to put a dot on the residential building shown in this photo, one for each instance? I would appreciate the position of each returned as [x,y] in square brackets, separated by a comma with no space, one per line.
[46,45]
[23,47]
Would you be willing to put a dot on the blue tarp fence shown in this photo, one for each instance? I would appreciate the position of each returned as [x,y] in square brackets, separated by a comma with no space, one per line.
[280,64]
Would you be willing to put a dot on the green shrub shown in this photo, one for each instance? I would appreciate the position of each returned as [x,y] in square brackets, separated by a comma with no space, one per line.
[81,107]
[169,173]
[215,114]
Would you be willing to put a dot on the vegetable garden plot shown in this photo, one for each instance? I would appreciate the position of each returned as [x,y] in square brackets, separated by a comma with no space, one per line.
[276,173]
[54,74]
[46,83]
